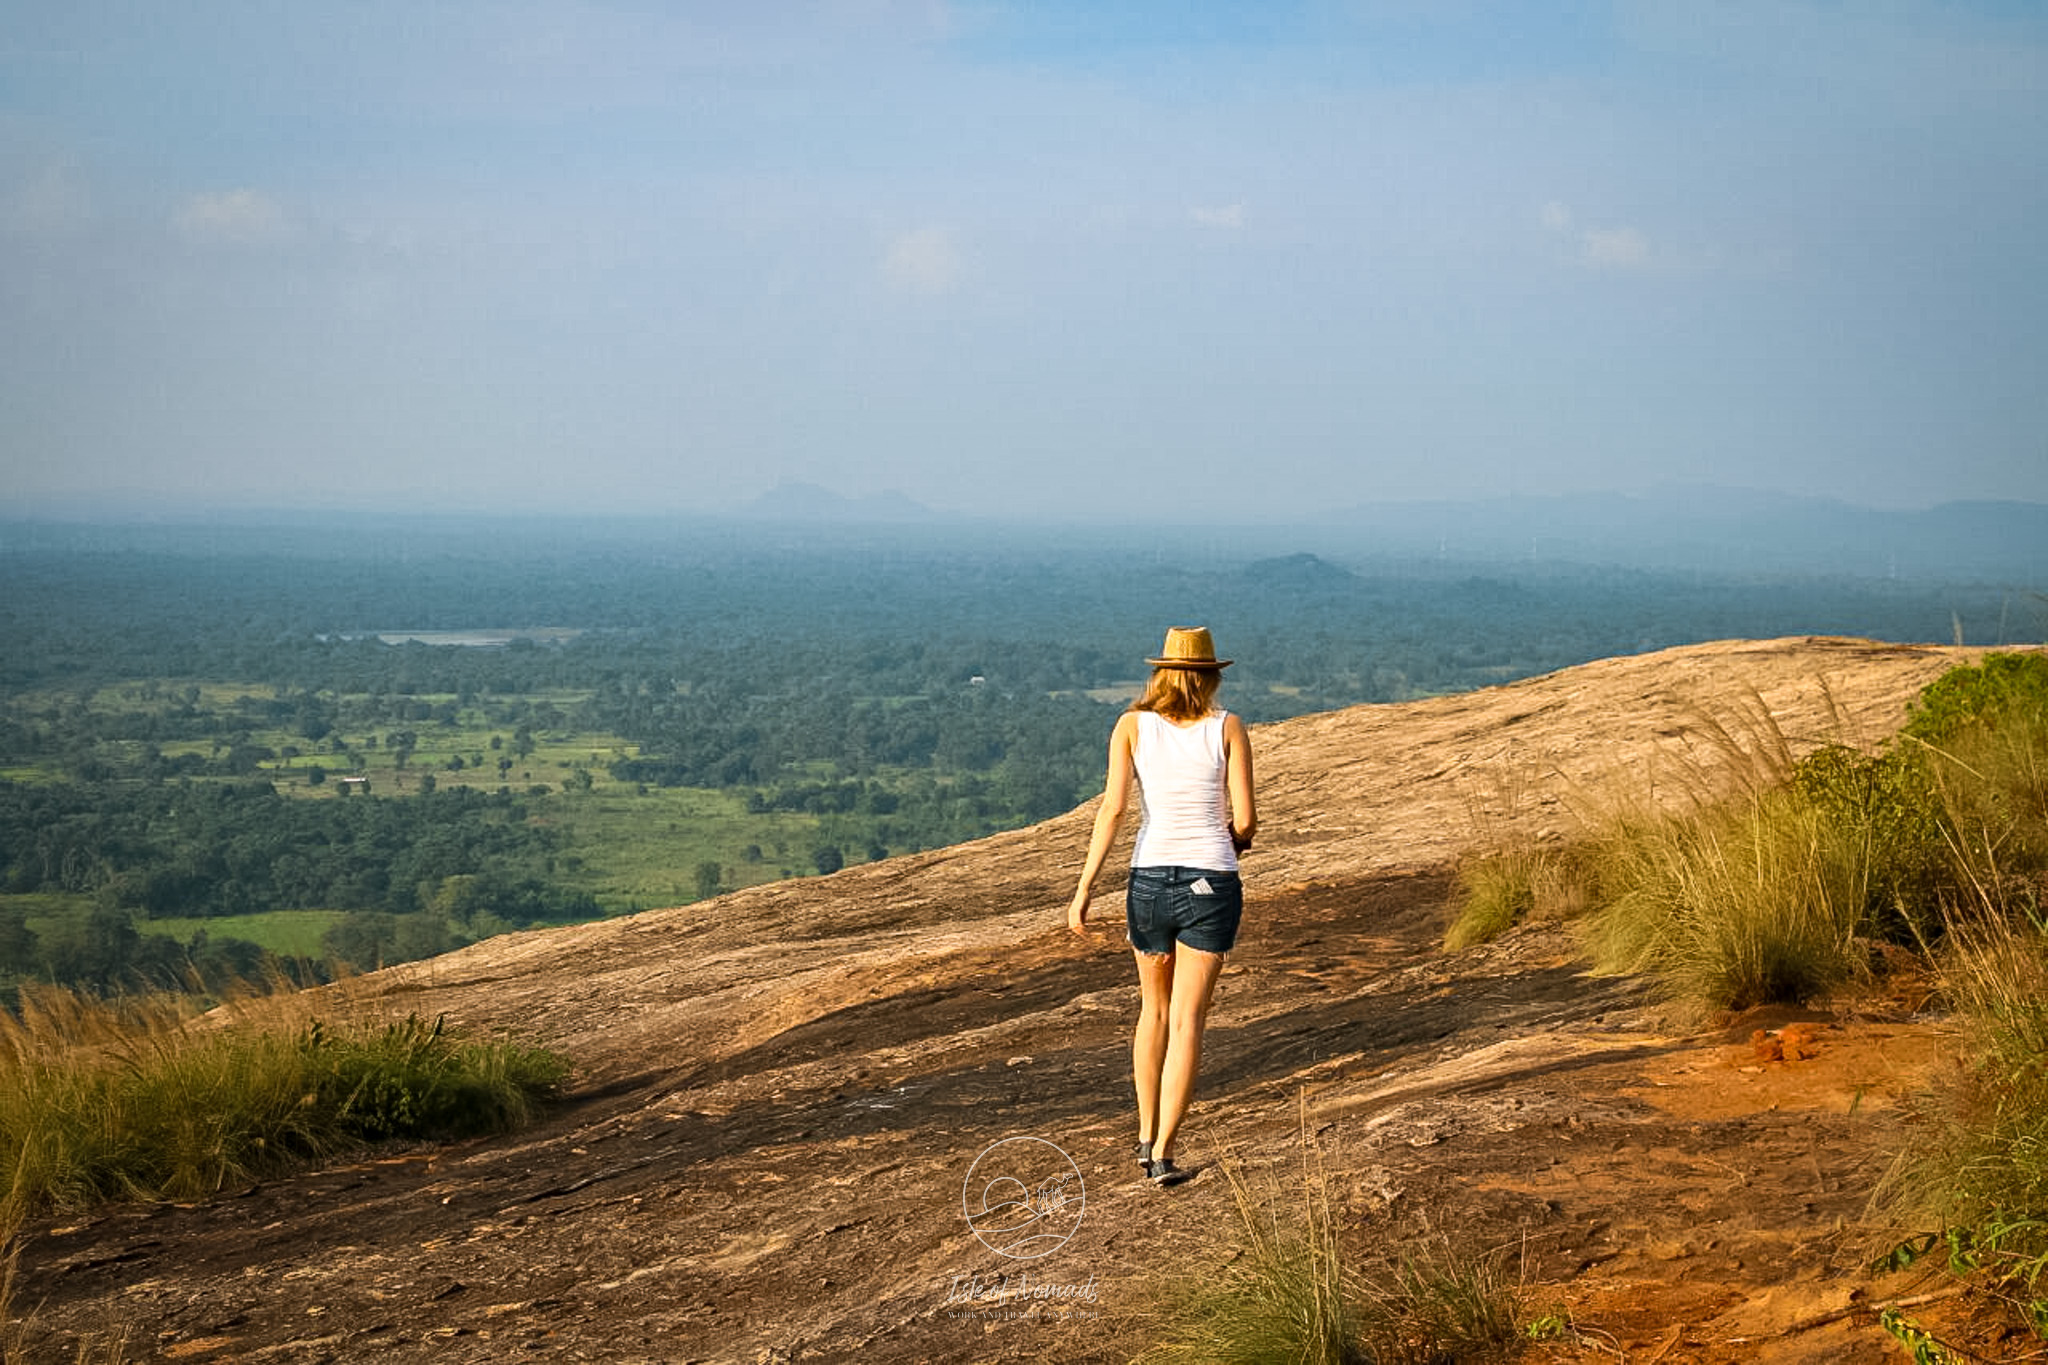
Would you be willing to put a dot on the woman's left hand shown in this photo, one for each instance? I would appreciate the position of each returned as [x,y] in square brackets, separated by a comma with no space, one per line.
[1077,915]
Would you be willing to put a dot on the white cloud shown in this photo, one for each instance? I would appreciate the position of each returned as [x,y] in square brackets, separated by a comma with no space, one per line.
[926,261]
[1621,248]
[1610,248]
[232,217]
[1626,248]
[1228,216]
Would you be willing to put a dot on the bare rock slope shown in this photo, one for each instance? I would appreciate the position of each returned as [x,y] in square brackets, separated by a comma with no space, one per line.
[782,1092]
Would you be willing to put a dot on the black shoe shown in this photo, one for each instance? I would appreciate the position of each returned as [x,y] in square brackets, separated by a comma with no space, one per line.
[1144,1155]
[1163,1172]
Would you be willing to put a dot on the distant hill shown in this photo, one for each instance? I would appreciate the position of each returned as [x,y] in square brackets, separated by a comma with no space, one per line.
[1719,530]
[811,502]
[1299,573]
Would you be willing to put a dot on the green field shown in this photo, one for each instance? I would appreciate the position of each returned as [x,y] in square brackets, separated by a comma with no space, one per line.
[288,933]
[44,911]
[640,851]
[630,846]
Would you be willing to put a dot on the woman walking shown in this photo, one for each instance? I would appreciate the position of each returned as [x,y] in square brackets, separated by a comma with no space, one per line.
[1193,763]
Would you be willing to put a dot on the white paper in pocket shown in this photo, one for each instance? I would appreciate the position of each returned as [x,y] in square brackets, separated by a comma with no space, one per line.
[1202,887]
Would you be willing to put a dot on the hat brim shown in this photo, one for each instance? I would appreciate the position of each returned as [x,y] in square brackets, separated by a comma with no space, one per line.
[1193,665]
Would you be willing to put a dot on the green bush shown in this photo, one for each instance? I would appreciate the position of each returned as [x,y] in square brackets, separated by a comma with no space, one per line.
[2004,686]
[1975,1165]
[1885,806]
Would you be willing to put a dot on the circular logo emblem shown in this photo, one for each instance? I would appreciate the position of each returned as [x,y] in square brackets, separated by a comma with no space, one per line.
[1023,1197]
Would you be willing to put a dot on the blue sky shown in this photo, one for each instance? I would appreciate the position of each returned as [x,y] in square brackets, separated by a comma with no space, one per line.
[1067,259]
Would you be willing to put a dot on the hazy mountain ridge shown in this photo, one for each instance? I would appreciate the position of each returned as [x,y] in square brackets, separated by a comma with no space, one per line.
[812,502]
[1702,529]
[1723,530]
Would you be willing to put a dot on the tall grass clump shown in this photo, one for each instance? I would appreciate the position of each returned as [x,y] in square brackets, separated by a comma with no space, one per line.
[1509,882]
[1431,1304]
[136,1097]
[1779,893]
[1974,1164]
[1282,1293]
[1982,737]
[1762,901]
[1495,893]
[1991,783]
[1278,1297]
[1751,893]
[1503,888]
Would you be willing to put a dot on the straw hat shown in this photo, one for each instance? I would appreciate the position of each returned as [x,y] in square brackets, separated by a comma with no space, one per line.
[1189,647]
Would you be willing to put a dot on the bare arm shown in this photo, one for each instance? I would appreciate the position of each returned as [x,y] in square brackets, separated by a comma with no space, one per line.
[1116,794]
[1237,760]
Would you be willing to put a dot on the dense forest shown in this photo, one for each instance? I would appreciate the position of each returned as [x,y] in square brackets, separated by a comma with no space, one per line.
[421,733]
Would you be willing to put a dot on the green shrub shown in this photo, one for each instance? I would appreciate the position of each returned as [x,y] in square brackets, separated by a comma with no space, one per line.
[2004,686]
[1885,806]
[1990,784]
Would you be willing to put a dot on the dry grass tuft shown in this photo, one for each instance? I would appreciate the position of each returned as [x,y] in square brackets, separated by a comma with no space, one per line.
[143,1096]
[1281,1291]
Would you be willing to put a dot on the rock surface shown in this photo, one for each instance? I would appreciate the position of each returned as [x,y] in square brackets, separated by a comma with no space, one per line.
[781,1093]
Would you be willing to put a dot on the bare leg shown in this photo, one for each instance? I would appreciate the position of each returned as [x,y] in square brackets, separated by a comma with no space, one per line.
[1148,1044]
[1193,986]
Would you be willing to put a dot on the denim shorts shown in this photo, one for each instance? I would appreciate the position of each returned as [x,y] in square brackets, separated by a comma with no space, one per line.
[1190,905]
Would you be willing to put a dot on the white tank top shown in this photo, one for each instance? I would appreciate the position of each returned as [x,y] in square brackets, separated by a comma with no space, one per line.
[1186,797]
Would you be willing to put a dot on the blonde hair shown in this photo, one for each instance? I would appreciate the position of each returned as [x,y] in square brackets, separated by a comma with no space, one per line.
[1180,694]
